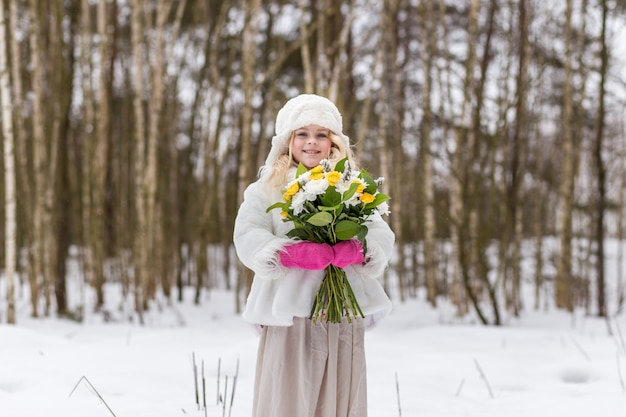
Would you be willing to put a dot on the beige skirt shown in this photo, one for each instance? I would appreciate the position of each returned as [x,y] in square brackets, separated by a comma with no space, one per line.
[309,370]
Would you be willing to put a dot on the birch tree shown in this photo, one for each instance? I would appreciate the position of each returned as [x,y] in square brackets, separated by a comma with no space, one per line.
[457,177]
[152,212]
[99,158]
[388,51]
[40,156]
[10,240]
[250,32]
[140,248]
[24,178]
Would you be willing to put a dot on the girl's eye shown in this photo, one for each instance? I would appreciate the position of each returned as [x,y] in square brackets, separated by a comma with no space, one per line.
[322,135]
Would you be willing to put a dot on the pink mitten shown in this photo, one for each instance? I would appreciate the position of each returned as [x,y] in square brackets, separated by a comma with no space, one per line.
[307,255]
[348,252]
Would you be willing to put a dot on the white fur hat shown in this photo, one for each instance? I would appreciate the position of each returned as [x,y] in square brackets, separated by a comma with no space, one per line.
[300,111]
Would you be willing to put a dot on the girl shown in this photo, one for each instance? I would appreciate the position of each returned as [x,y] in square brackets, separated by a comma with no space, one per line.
[306,369]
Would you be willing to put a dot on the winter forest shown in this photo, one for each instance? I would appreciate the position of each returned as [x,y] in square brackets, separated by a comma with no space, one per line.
[130,129]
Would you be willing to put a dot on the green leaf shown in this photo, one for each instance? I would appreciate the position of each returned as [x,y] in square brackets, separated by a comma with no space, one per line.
[279,205]
[331,197]
[300,233]
[346,229]
[350,191]
[362,233]
[300,170]
[341,165]
[323,218]
[370,186]
[377,200]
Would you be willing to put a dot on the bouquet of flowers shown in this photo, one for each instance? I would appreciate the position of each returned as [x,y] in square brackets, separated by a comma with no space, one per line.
[326,205]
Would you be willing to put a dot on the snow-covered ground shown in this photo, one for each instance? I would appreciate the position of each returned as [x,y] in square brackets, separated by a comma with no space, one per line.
[419,361]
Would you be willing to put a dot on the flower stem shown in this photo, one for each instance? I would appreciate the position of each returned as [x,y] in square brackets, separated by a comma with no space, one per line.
[335,298]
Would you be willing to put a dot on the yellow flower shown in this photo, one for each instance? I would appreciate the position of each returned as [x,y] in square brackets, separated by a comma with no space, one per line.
[366,198]
[317,173]
[293,188]
[317,170]
[333,177]
[361,186]
[284,213]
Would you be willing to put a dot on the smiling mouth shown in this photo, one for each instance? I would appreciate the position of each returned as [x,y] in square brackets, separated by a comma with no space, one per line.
[311,151]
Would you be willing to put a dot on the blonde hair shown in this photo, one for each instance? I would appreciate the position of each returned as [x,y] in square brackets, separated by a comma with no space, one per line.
[276,174]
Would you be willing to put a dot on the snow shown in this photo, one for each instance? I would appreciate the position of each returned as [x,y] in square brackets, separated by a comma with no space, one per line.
[543,364]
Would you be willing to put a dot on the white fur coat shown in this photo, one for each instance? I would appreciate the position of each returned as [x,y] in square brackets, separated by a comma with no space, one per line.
[279,294]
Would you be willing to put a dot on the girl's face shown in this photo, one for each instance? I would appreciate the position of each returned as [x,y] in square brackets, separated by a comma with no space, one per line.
[310,145]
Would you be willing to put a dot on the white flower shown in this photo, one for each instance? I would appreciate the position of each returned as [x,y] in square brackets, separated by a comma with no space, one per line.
[314,188]
[383,208]
[303,178]
[353,201]
[297,202]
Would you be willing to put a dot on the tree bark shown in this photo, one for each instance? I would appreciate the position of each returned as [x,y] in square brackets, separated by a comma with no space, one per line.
[341,59]
[621,212]
[388,49]
[305,51]
[566,193]
[513,238]
[24,180]
[140,250]
[10,239]
[89,123]
[39,159]
[149,181]
[99,159]
[600,168]
[250,32]
[427,184]
[458,215]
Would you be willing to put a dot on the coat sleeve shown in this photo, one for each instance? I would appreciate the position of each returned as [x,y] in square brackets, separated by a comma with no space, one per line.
[256,243]
[380,240]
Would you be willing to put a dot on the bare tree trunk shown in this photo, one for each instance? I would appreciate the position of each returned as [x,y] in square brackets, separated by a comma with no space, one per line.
[566,206]
[51,58]
[600,168]
[457,289]
[538,225]
[250,32]
[10,254]
[39,157]
[321,69]
[25,180]
[99,164]
[427,183]
[305,51]
[171,229]
[89,122]
[388,49]
[149,184]
[580,72]
[140,251]
[458,208]
[621,208]
[517,155]
[339,67]
[477,236]
[59,197]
